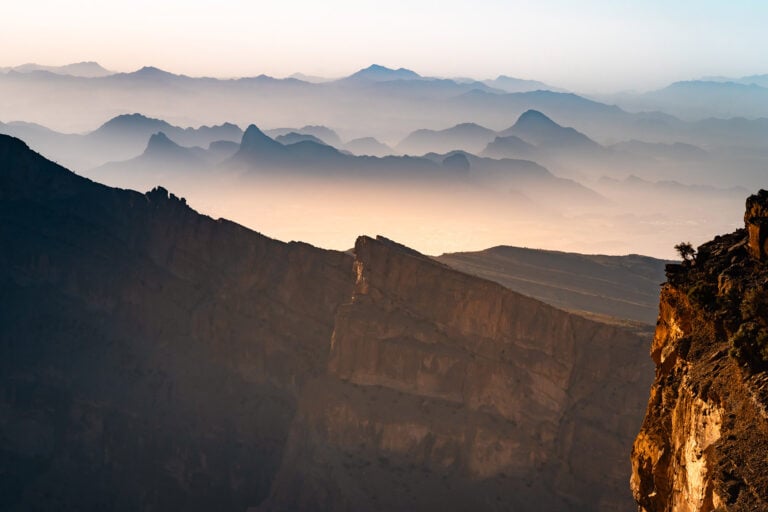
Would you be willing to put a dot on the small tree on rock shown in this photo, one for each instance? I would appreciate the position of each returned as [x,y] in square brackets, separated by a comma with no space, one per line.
[686,251]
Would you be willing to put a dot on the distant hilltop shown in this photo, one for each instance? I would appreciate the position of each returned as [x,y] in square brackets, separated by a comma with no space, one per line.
[82,69]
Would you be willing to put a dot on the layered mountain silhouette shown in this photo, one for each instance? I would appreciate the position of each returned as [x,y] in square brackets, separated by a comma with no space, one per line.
[466,136]
[533,134]
[660,150]
[761,80]
[368,146]
[137,127]
[509,146]
[257,147]
[323,133]
[121,138]
[511,84]
[161,359]
[260,155]
[538,129]
[293,138]
[700,99]
[400,104]
[78,69]
[163,155]
[387,110]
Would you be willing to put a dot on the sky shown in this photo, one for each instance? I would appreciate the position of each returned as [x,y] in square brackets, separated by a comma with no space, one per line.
[589,45]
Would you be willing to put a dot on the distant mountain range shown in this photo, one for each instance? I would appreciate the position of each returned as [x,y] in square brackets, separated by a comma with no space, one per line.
[322,133]
[587,138]
[376,101]
[694,100]
[700,99]
[534,136]
[533,133]
[120,138]
[761,80]
[697,154]
[163,156]
[511,84]
[507,146]
[259,156]
[570,153]
[466,136]
[79,69]
[538,129]
[368,146]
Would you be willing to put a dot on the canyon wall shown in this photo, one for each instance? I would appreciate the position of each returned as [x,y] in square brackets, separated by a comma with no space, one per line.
[152,358]
[449,392]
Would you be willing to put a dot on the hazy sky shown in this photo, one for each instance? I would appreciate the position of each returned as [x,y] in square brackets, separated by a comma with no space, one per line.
[582,45]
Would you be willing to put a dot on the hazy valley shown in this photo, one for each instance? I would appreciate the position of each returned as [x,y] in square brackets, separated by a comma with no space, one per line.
[537,166]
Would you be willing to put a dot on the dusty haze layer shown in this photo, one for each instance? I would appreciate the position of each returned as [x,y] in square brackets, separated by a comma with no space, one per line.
[536,183]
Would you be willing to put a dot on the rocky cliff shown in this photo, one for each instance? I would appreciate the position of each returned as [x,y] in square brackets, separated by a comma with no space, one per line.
[703,445]
[152,358]
[449,392]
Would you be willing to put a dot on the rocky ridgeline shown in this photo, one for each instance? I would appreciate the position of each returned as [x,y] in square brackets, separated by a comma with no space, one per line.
[704,443]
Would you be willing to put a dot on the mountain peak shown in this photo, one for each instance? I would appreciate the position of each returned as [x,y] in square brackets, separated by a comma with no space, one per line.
[152,72]
[469,126]
[457,162]
[378,73]
[86,68]
[536,128]
[534,118]
[134,122]
[159,142]
[255,140]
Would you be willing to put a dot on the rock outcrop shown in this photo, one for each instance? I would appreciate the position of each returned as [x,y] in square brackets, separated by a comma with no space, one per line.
[703,445]
[152,358]
[756,223]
